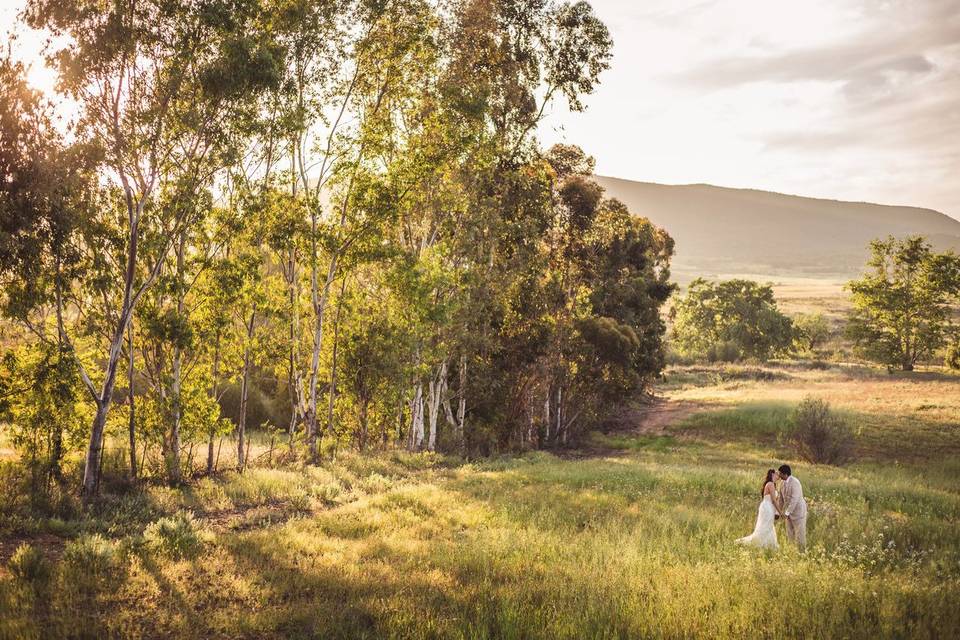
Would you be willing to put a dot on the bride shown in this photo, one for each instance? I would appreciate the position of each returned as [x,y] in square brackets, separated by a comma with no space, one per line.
[764,534]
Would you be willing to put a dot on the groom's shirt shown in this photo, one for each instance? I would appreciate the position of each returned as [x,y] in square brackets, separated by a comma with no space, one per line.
[793,503]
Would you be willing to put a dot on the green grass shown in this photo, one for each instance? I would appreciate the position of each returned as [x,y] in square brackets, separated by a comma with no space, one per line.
[766,422]
[906,436]
[627,442]
[634,542]
[638,545]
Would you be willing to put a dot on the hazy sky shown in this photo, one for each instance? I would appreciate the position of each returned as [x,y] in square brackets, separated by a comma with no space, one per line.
[848,99]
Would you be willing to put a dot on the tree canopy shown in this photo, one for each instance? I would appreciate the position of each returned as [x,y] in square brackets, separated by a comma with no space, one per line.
[903,303]
[730,320]
[330,219]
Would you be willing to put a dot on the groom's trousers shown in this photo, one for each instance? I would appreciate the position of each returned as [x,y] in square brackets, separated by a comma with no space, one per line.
[797,531]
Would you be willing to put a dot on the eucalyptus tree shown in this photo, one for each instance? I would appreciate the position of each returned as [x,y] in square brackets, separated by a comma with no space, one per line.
[347,60]
[157,83]
[469,221]
[48,189]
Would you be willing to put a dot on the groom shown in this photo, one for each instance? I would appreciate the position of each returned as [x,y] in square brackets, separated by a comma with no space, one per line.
[794,507]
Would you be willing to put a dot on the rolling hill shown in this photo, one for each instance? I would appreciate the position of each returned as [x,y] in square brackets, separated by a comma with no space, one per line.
[721,231]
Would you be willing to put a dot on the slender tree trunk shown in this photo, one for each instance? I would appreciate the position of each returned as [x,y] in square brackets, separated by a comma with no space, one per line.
[320,297]
[462,403]
[214,392]
[559,412]
[174,473]
[416,419]
[104,398]
[333,364]
[244,391]
[91,469]
[546,419]
[132,417]
[436,390]
[294,382]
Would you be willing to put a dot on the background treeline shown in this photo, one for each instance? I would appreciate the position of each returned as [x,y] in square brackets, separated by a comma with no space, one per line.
[905,308]
[327,218]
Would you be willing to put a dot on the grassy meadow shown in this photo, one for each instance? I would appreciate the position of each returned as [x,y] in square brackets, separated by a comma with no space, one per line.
[632,540]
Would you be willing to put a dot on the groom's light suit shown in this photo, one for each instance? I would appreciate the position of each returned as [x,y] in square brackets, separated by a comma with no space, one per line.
[795,511]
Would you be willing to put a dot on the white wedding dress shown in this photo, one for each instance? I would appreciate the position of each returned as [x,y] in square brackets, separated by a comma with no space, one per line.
[764,534]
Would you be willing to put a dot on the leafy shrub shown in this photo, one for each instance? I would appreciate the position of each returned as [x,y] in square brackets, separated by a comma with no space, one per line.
[300,501]
[727,351]
[92,562]
[29,566]
[177,536]
[952,360]
[820,435]
[813,330]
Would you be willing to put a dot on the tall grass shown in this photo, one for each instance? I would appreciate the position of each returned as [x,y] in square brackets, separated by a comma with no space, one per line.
[638,545]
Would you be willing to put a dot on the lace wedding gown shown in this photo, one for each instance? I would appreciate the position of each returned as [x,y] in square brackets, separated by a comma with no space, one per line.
[764,534]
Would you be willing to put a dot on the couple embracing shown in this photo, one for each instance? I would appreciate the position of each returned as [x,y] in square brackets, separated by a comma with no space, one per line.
[787,503]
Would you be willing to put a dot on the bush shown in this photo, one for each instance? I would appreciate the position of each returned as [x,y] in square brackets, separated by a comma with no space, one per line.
[813,330]
[30,567]
[952,360]
[723,352]
[820,435]
[92,563]
[177,536]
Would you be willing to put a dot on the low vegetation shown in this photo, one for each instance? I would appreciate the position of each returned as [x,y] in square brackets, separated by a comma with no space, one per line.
[272,372]
[820,435]
[419,545]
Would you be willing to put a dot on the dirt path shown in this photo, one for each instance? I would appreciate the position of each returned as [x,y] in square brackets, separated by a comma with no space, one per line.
[651,419]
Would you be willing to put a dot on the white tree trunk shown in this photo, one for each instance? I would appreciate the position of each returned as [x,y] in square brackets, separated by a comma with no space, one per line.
[462,403]
[437,389]
[243,447]
[546,418]
[173,460]
[561,433]
[319,297]
[416,419]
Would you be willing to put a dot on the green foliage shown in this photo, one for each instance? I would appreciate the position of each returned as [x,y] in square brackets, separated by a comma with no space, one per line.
[178,536]
[819,434]
[45,406]
[813,330]
[29,565]
[902,303]
[726,351]
[952,357]
[730,320]
[333,217]
[92,563]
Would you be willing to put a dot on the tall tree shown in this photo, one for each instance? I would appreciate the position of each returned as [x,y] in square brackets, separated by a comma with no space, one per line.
[731,319]
[47,192]
[902,303]
[157,82]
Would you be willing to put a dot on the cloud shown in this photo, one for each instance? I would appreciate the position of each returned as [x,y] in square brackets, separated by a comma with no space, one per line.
[848,99]
[889,40]
[850,63]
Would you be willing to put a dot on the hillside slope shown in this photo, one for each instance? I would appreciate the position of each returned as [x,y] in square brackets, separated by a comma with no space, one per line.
[727,231]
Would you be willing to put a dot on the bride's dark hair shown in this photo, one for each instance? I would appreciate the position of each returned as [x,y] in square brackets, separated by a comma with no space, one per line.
[769,478]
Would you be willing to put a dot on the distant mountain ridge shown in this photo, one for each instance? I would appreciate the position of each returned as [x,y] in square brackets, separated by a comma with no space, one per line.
[720,230]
